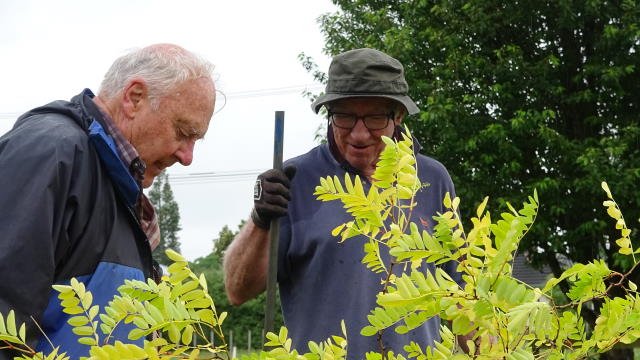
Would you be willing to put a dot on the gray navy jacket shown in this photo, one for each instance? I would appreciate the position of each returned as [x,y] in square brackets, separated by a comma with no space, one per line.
[68,210]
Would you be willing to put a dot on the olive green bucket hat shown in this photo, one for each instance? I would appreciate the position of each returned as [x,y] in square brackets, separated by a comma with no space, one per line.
[366,73]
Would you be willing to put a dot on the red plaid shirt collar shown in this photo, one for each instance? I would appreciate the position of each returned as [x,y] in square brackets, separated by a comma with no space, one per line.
[130,157]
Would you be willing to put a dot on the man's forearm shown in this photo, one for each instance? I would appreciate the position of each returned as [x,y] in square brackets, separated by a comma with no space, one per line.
[245,264]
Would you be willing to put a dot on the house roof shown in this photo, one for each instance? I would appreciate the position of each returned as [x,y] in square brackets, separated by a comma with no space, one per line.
[523,271]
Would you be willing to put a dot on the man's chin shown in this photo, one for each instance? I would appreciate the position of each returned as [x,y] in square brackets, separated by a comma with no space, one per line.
[150,175]
[148,178]
[147,183]
[362,164]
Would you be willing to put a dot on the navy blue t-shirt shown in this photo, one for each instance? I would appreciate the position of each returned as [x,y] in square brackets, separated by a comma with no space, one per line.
[323,281]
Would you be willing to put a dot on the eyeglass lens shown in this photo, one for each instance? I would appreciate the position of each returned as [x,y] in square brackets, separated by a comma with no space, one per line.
[372,122]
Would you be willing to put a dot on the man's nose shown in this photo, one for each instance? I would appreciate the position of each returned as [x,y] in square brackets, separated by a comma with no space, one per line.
[185,152]
[360,129]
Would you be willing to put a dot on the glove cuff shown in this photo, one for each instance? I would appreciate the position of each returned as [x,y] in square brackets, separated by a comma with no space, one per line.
[257,220]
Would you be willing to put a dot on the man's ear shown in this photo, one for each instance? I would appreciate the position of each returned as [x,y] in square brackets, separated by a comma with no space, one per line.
[133,96]
[399,115]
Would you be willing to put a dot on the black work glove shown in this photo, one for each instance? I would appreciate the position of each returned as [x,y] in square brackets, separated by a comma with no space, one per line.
[271,195]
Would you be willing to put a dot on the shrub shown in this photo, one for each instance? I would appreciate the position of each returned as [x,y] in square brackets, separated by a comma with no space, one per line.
[502,317]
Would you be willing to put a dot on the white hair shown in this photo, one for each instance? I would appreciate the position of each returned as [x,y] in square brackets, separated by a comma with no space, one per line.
[161,67]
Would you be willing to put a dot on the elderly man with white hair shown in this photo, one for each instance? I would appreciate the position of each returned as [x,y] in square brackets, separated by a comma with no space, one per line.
[71,181]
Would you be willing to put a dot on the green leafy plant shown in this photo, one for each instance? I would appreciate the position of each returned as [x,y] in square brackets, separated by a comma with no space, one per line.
[169,315]
[503,317]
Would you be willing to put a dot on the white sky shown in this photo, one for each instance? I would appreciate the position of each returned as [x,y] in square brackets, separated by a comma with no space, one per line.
[53,49]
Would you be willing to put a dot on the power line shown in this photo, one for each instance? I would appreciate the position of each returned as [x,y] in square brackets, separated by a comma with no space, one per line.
[264,92]
[214,177]
[243,94]
[9,115]
[273,91]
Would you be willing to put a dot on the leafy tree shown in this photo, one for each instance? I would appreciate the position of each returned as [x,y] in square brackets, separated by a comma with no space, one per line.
[498,316]
[244,318]
[505,315]
[518,96]
[224,239]
[161,196]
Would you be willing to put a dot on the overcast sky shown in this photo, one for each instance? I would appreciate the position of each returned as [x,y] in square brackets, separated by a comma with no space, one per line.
[51,50]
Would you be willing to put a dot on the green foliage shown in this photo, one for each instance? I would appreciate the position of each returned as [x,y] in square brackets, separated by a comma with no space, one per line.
[390,197]
[333,348]
[496,315]
[169,315]
[518,96]
[248,317]
[161,196]
[499,316]
[224,239]
[14,337]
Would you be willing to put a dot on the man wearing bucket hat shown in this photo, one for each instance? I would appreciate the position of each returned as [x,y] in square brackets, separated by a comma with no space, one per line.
[320,280]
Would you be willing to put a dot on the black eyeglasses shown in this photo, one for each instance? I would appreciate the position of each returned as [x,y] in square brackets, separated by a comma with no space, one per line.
[371,122]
